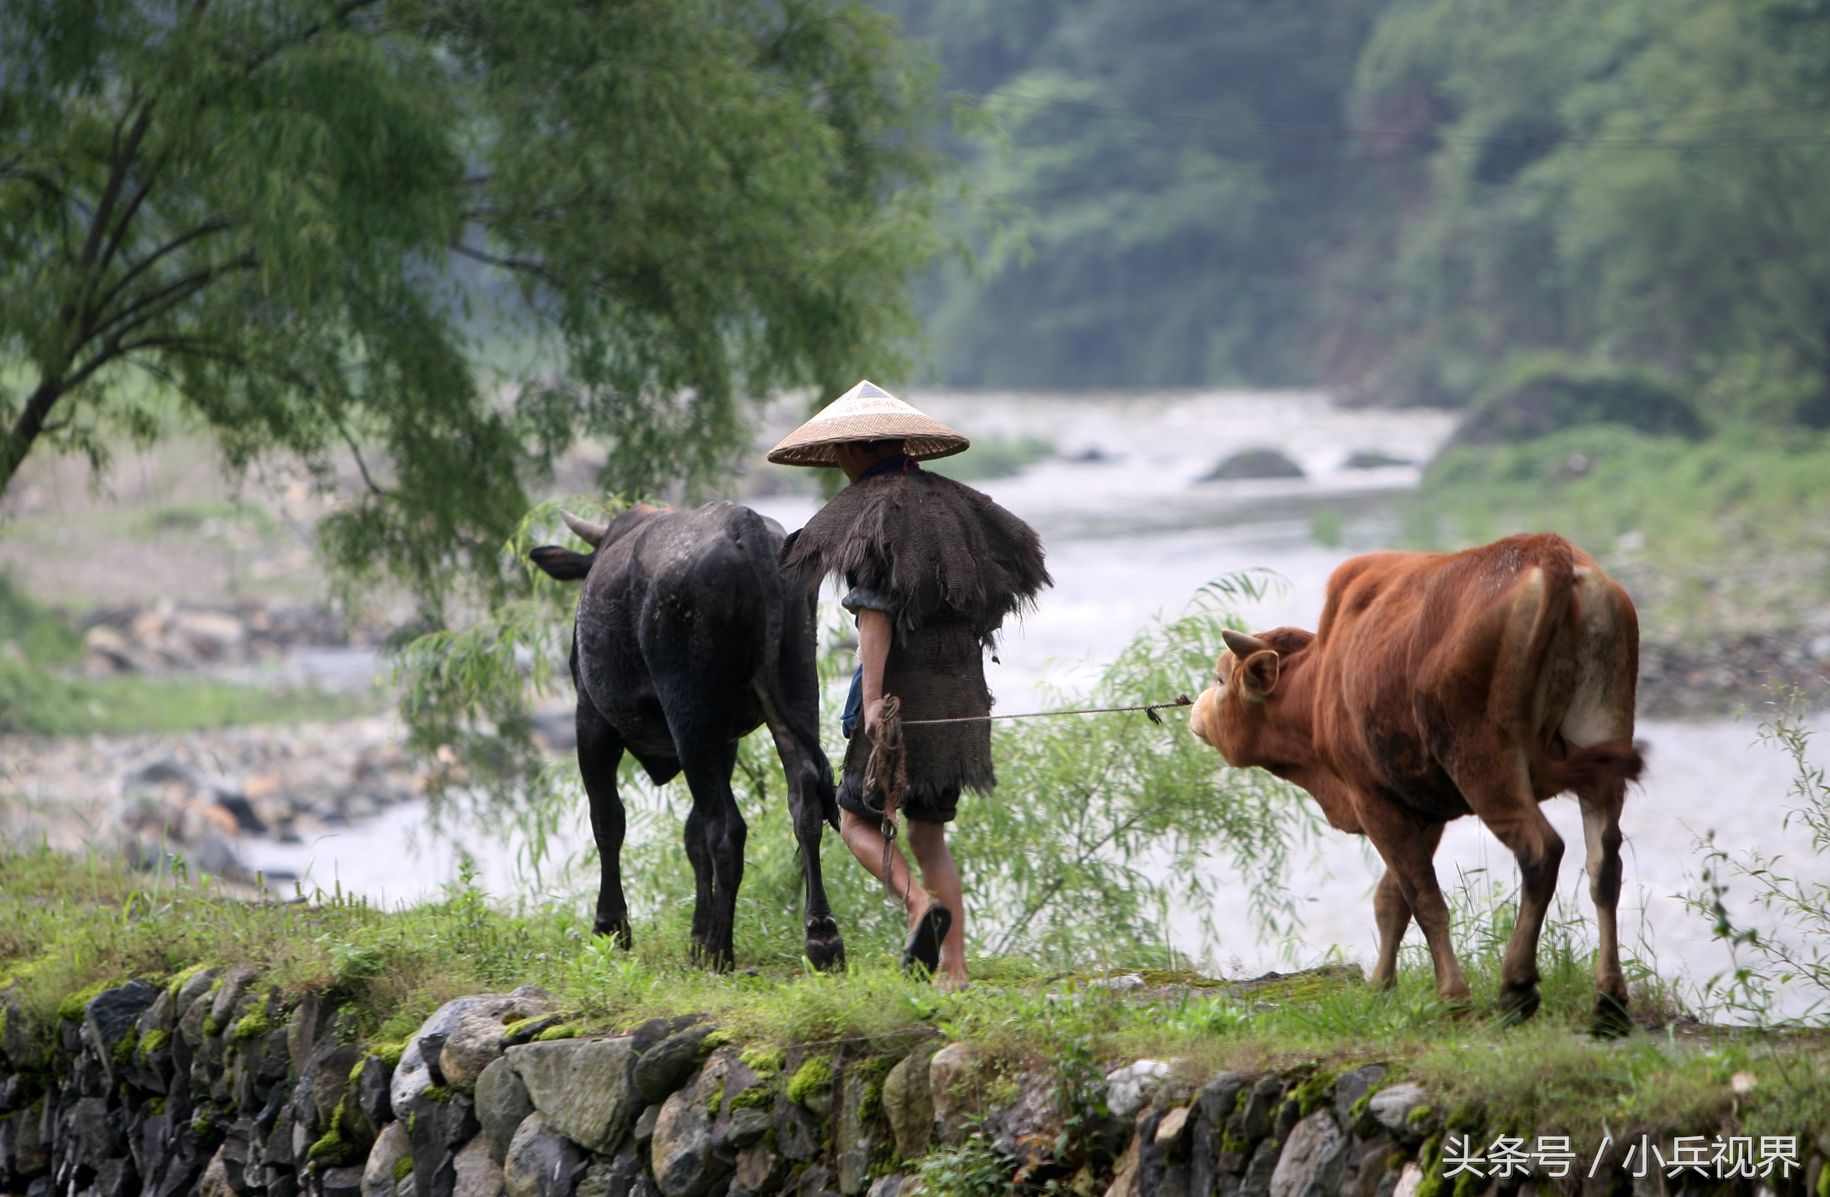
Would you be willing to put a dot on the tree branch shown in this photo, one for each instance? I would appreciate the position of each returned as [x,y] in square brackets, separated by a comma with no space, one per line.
[155,304]
[117,176]
[118,235]
[213,225]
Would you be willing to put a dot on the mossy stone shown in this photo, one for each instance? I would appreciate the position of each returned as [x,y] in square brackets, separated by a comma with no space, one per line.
[811,1080]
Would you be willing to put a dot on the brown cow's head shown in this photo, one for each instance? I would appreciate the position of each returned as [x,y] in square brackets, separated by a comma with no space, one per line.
[1232,713]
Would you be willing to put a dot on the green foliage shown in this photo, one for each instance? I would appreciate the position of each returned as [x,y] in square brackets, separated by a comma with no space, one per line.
[1766,968]
[974,1168]
[1390,195]
[1726,533]
[439,241]
[1142,228]
[1544,393]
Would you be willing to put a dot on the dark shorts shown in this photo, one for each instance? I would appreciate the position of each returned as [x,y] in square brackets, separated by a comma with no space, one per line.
[941,808]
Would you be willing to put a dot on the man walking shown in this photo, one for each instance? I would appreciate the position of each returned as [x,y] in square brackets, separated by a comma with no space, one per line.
[932,568]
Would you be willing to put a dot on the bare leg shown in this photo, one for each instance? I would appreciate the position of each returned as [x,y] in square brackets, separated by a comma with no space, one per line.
[941,878]
[863,837]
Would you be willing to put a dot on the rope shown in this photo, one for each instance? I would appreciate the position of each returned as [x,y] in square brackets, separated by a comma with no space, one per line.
[1150,710]
[886,772]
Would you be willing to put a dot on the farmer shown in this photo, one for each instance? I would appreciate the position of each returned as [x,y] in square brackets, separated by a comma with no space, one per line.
[932,568]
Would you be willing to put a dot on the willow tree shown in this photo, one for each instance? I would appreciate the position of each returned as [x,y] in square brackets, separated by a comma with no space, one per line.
[312,227]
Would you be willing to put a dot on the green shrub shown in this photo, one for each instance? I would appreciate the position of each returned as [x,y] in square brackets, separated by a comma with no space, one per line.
[1540,394]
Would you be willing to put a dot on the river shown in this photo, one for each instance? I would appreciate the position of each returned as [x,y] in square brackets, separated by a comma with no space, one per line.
[1132,534]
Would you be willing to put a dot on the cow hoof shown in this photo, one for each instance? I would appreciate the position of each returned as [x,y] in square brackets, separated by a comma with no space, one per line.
[1610,1020]
[1517,1004]
[825,947]
[616,929]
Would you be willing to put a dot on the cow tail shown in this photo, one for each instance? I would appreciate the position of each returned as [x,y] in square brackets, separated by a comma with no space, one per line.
[1527,649]
[1611,762]
[779,593]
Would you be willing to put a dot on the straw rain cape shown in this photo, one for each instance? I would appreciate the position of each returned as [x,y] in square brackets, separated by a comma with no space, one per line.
[954,565]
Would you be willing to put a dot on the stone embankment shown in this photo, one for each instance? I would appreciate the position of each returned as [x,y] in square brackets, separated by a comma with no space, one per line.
[216,1084]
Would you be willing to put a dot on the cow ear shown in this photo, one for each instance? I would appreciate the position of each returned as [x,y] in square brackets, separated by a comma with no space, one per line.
[1257,675]
[563,564]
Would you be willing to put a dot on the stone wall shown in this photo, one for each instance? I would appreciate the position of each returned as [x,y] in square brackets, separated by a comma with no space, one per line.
[216,1084]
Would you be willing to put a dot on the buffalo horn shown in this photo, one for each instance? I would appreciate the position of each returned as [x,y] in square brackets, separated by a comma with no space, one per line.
[590,533]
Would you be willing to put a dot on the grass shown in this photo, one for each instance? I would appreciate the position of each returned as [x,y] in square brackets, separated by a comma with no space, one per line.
[37,703]
[67,925]
[1726,533]
[41,692]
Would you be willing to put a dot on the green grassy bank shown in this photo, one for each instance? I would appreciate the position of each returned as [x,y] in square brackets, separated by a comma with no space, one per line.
[68,927]
[1731,532]
[44,692]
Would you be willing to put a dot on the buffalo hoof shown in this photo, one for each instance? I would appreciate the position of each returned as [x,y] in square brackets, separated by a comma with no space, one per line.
[1610,1019]
[825,947]
[617,929]
[1517,1003]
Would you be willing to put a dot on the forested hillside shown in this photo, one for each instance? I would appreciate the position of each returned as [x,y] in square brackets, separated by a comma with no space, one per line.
[1389,196]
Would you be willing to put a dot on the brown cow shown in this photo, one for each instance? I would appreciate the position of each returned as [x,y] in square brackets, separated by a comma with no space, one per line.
[1444,683]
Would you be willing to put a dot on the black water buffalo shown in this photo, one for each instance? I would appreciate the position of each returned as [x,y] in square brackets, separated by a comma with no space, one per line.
[686,641]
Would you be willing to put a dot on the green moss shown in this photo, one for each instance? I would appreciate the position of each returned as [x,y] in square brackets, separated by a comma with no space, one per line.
[181,979]
[1314,1092]
[765,1062]
[440,1093]
[153,1042]
[211,1028]
[1420,1114]
[154,1107]
[123,1051]
[389,1053]
[1470,1183]
[1234,1144]
[333,1150]
[872,1101]
[1430,1161]
[71,1008]
[815,1076]
[403,1168]
[564,1030]
[203,1123]
[715,1101]
[715,1039]
[252,1024]
[1823,1181]
[756,1097]
[522,1026]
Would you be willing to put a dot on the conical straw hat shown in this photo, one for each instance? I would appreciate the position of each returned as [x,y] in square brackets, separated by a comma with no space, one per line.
[867,412]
